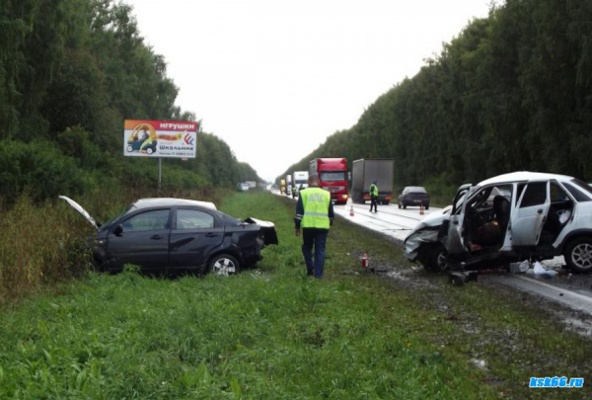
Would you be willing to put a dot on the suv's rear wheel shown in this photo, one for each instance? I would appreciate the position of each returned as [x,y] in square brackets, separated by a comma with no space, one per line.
[224,264]
[578,254]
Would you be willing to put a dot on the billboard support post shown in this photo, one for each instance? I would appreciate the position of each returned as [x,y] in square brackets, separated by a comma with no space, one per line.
[159,173]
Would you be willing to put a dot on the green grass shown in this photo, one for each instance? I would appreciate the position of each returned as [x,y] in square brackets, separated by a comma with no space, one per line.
[272,333]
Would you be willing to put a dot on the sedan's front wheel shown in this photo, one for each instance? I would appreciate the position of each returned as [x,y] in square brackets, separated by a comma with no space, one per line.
[224,264]
[578,254]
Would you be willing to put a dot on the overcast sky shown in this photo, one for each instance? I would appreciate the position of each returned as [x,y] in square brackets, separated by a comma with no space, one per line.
[275,78]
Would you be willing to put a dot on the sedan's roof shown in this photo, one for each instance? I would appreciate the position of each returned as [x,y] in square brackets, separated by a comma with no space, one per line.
[415,189]
[523,176]
[171,201]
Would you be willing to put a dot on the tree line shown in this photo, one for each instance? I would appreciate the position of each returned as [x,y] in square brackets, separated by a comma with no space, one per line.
[512,91]
[71,71]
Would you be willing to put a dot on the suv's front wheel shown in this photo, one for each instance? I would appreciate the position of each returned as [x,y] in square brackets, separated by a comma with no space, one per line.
[433,257]
[578,254]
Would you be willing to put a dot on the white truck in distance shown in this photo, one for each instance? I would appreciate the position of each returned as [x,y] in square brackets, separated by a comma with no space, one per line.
[300,181]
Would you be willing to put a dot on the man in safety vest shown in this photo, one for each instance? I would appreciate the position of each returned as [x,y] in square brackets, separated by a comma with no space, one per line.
[373,196]
[314,214]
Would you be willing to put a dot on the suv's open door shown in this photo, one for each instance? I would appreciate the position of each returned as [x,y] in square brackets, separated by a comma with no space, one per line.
[454,242]
[530,214]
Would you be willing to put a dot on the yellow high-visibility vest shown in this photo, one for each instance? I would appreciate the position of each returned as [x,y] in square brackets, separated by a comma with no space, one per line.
[374,190]
[316,208]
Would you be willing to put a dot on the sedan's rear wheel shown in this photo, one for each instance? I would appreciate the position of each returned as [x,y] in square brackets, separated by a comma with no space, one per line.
[578,254]
[224,264]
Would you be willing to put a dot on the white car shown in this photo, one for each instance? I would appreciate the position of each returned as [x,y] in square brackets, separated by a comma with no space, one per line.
[508,218]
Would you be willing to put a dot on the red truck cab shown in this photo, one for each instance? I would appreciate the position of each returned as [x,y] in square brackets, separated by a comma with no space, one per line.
[332,173]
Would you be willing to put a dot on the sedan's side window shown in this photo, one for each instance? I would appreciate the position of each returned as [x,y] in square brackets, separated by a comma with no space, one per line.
[149,220]
[536,193]
[194,219]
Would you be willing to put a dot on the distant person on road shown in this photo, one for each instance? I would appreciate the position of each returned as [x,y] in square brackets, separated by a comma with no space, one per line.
[373,196]
[314,214]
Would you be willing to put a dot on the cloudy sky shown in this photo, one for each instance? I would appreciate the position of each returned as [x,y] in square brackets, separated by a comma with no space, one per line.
[275,78]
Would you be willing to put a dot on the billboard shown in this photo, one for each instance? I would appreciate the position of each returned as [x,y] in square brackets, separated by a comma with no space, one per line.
[171,139]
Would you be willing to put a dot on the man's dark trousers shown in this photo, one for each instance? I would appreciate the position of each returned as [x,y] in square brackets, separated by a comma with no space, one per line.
[373,202]
[317,238]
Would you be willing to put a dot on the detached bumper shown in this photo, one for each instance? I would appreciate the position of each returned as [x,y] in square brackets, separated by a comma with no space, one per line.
[267,229]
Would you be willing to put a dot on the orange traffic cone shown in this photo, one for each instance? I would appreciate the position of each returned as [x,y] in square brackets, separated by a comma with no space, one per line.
[421,212]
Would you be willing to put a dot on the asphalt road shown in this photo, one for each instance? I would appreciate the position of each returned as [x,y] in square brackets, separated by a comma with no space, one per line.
[389,220]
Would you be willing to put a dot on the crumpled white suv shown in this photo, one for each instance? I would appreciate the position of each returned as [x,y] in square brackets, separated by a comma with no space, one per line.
[508,218]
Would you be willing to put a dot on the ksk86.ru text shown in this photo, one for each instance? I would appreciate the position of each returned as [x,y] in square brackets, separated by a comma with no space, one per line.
[556,382]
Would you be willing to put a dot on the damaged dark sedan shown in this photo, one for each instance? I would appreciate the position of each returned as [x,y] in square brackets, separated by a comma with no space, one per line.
[172,235]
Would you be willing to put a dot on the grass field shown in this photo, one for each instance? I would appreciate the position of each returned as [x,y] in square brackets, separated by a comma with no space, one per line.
[273,333]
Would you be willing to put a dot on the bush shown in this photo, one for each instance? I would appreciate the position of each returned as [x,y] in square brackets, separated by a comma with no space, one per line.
[76,143]
[38,167]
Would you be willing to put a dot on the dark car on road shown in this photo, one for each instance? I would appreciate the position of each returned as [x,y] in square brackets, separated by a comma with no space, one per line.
[170,235]
[414,196]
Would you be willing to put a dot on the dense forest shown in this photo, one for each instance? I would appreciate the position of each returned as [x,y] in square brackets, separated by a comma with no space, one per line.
[71,72]
[511,92]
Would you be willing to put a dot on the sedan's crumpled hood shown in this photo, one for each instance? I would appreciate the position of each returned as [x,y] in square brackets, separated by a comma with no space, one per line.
[82,211]
[267,228]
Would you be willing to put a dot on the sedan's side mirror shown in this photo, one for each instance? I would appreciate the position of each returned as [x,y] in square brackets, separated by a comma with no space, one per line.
[118,230]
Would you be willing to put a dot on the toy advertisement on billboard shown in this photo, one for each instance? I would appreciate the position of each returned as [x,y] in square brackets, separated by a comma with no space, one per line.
[172,139]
